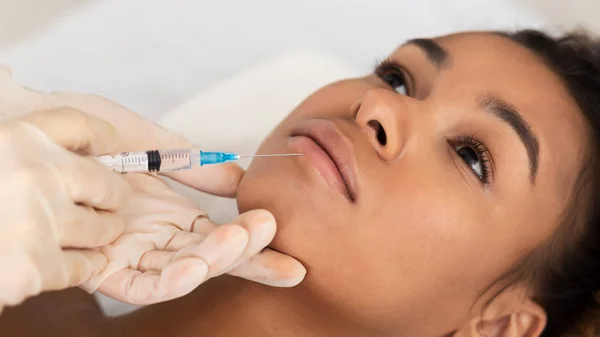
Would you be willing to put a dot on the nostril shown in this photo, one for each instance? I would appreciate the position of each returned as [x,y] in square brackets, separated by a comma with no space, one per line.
[379,131]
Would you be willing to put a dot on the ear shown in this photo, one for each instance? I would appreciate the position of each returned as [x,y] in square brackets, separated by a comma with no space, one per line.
[511,314]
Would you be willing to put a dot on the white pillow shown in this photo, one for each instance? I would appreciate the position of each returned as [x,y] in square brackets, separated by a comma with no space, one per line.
[245,108]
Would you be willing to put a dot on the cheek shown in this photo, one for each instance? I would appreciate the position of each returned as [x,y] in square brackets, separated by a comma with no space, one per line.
[420,235]
[419,252]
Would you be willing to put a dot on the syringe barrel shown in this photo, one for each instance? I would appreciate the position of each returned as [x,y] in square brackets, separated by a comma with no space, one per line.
[151,161]
[176,159]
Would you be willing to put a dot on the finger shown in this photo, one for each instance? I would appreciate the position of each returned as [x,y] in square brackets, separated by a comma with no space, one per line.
[91,184]
[90,228]
[182,240]
[78,267]
[158,259]
[271,268]
[221,180]
[147,135]
[155,260]
[261,227]
[176,280]
[185,244]
[203,225]
[221,248]
[76,131]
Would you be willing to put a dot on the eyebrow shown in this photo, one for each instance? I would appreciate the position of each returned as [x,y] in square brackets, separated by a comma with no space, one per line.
[434,52]
[508,114]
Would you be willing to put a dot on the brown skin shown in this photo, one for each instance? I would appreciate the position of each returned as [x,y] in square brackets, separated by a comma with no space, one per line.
[425,237]
[70,312]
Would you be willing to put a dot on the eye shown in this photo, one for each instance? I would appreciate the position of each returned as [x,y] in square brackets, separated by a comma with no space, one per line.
[475,155]
[471,158]
[391,73]
[396,81]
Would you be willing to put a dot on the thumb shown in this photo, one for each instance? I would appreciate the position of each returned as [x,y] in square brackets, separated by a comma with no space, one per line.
[221,179]
[78,267]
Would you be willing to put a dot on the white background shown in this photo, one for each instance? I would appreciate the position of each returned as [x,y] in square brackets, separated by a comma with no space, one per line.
[152,54]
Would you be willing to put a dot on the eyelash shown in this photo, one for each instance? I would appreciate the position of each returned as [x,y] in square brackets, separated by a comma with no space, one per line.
[388,67]
[483,155]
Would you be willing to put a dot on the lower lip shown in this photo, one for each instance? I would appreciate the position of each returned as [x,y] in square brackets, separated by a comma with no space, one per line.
[321,161]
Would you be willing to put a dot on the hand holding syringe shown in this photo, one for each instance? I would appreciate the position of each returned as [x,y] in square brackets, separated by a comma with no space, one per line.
[171,160]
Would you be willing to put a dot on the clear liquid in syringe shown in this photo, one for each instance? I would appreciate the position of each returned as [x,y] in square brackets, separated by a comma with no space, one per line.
[174,160]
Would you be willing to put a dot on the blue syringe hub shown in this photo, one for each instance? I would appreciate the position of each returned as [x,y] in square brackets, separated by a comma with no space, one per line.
[207,158]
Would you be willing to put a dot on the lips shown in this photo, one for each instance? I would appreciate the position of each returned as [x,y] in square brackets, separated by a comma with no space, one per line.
[330,152]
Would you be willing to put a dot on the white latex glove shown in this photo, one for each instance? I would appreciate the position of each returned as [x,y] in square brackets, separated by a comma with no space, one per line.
[55,206]
[160,213]
[170,247]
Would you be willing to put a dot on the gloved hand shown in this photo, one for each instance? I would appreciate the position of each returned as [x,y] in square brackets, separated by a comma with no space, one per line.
[155,212]
[170,247]
[163,226]
[55,206]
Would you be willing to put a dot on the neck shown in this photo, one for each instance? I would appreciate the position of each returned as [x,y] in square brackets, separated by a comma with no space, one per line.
[258,310]
[229,306]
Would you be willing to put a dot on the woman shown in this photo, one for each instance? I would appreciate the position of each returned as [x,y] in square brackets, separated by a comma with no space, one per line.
[454,192]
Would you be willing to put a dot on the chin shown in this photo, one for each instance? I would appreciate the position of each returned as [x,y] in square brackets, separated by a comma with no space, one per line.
[258,191]
[253,194]
[308,214]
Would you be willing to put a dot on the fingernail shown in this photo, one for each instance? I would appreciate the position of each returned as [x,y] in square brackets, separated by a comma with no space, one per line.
[261,226]
[259,216]
[192,272]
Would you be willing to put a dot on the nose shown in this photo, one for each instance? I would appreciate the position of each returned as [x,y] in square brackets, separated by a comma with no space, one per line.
[386,118]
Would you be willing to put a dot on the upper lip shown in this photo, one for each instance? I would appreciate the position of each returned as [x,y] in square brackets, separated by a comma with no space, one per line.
[336,145]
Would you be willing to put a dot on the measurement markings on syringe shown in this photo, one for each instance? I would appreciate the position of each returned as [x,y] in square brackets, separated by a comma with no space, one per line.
[175,157]
[139,161]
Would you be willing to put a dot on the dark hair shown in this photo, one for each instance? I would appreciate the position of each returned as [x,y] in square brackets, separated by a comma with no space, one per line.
[564,272]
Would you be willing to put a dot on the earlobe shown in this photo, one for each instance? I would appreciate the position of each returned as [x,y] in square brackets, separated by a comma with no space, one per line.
[511,314]
[529,323]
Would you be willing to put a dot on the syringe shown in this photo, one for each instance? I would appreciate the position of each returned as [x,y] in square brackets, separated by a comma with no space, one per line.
[171,160]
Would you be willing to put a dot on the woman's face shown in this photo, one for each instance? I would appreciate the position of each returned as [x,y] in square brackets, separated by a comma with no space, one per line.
[421,184]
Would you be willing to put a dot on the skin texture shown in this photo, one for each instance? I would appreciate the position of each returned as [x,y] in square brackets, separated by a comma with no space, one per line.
[417,250]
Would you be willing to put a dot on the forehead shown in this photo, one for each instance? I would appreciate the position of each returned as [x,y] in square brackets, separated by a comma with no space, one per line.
[484,63]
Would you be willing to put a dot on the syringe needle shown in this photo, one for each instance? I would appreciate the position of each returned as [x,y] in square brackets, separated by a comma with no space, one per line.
[273,155]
